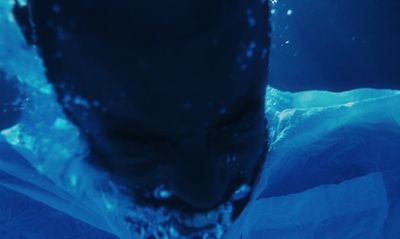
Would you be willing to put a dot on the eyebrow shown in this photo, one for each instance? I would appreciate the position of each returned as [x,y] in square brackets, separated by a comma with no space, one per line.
[140,136]
[238,112]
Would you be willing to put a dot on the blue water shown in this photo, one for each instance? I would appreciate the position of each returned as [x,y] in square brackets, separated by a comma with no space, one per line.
[335,45]
[332,170]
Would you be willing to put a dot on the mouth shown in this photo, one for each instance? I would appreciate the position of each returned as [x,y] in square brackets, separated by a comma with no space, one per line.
[157,212]
[162,215]
[212,223]
[163,222]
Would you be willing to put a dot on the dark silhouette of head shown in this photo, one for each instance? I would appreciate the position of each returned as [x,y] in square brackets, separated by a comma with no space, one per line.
[167,92]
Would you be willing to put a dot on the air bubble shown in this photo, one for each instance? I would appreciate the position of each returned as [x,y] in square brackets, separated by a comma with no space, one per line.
[162,192]
[241,192]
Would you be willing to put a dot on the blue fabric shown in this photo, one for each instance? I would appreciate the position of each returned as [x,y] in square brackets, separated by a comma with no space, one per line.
[333,169]
[22,217]
[31,205]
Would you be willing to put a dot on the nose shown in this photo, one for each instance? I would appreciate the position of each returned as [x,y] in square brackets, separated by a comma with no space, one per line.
[202,178]
[201,183]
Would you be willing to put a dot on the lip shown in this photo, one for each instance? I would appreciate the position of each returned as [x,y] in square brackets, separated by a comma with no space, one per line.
[189,225]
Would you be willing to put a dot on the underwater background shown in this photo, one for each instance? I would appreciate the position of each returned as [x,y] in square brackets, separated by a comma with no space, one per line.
[335,45]
[316,45]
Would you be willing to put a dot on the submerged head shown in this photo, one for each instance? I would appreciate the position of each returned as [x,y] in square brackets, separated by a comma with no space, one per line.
[167,93]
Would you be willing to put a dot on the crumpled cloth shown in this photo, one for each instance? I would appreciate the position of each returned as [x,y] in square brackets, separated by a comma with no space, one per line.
[333,168]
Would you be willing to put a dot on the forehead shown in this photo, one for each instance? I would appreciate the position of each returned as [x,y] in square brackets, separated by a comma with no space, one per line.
[177,62]
[152,17]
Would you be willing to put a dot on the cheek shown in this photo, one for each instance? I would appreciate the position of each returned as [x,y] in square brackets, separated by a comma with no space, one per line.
[146,176]
[251,152]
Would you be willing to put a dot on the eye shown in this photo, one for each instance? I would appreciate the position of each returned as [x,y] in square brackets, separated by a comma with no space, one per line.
[241,117]
[138,145]
[138,167]
[135,136]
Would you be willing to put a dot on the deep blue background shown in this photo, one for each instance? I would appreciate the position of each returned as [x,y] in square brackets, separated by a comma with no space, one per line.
[335,44]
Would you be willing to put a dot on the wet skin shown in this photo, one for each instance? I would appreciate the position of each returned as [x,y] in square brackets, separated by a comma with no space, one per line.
[180,86]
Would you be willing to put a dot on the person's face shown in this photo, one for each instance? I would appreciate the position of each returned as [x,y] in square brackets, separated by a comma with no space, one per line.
[200,152]
[200,135]
[175,101]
